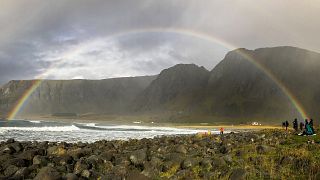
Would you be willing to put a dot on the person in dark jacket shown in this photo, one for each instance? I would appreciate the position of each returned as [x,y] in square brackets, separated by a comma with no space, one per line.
[295,124]
[283,124]
[287,125]
[311,124]
[301,126]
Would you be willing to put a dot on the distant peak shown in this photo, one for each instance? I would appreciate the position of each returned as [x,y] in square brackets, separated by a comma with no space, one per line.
[268,48]
[186,67]
[290,50]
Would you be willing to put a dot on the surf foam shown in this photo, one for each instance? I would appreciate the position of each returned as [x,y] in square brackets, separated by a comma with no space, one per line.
[42,129]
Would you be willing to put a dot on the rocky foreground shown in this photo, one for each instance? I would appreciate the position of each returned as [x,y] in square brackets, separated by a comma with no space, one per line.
[264,154]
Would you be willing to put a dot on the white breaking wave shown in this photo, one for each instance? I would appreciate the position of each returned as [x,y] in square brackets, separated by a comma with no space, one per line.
[153,128]
[91,124]
[37,122]
[87,132]
[87,124]
[42,129]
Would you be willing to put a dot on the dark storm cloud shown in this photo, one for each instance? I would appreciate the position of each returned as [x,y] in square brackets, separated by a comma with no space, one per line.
[55,24]
[45,20]
[18,61]
[37,34]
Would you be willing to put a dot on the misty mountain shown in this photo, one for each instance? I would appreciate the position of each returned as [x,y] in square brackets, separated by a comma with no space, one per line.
[237,88]
[177,88]
[75,96]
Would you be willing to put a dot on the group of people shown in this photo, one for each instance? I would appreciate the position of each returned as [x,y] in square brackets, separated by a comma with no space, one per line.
[306,128]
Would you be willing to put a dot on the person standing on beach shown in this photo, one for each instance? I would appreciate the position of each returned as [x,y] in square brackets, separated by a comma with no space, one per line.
[295,124]
[311,124]
[221,130]
[287,125]
[283,125]
[301,126]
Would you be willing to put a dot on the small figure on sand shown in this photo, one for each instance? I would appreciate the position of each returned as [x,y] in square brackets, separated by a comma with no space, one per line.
[295,124]
[221,130]
[301,126]
[286,125]
[311,122]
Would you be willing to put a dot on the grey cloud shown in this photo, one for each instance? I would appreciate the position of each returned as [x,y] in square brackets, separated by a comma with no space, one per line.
[49,18]
[31,30]
[54,24]
[10,71]
[139,43]
[23,64]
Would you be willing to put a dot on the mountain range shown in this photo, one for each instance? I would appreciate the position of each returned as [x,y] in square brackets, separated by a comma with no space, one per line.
[247,85]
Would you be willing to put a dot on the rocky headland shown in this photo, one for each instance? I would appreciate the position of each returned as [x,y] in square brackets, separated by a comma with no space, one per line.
[265,154]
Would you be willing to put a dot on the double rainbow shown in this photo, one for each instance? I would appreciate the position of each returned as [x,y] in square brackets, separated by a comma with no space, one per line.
[195,34]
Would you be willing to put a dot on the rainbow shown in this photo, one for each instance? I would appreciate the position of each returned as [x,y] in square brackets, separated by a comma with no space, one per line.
[281,85]
[179,31]
[34,85]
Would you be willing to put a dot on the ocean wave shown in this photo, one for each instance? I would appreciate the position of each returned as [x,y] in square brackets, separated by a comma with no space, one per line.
[150,128]
[140,127]
[130,128]
[42,129]
[87,124]
[75,133]
[36,122]
[90,124]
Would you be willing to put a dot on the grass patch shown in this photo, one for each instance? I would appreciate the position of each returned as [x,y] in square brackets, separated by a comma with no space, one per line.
[170,172]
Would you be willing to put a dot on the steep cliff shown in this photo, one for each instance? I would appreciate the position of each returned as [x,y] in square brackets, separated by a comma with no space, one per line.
[74,96]
[178,88]
[238,87]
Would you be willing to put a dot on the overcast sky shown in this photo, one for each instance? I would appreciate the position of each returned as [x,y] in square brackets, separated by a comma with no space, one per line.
[95,39]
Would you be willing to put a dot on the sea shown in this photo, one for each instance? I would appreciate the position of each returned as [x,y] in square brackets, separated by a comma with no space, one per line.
[56,131]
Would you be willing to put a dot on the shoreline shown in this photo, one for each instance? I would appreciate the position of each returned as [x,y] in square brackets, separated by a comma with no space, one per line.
[232,127]
[159,124]
[74,131]
[156,118]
